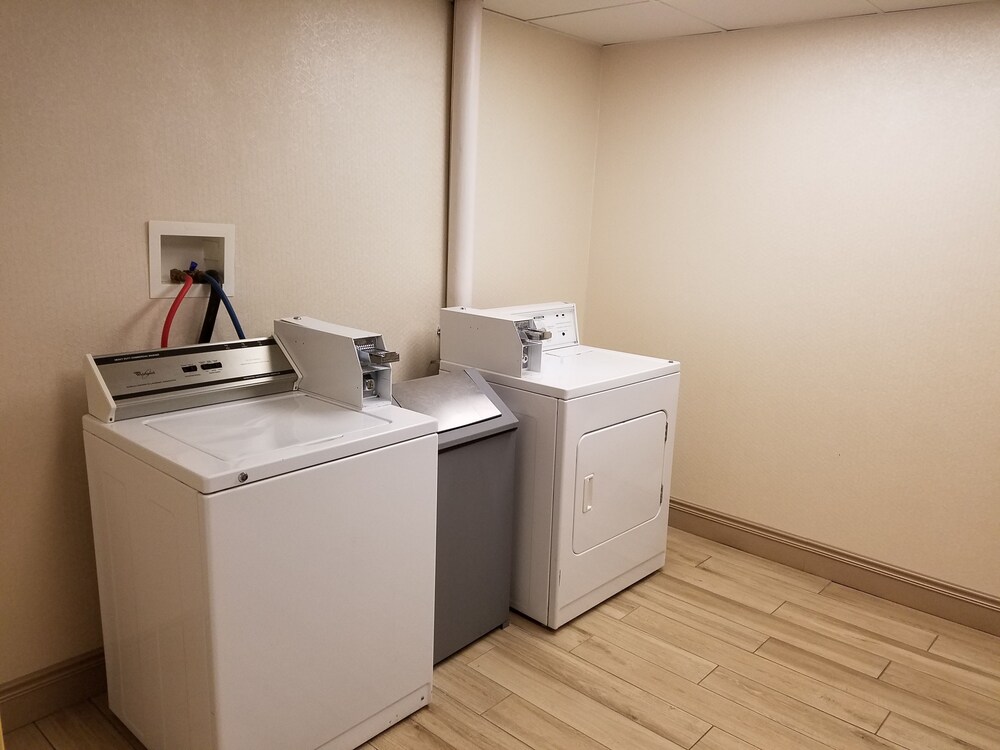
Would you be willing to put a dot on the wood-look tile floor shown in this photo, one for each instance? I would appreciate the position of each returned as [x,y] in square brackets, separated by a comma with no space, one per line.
[719,651]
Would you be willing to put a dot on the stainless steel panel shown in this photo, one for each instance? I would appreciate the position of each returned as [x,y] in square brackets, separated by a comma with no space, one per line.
[452,398]
[162,380]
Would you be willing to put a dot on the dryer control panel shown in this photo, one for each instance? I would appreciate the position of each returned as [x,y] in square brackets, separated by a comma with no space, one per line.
[559,323]
[508,340]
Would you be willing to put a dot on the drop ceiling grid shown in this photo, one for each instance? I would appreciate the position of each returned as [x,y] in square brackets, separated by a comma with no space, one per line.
[617,21]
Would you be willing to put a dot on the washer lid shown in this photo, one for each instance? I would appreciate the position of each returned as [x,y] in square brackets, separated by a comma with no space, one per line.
[245,429]
[225,445]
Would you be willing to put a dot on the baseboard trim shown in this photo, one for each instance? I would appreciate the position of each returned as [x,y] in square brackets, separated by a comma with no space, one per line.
[936,597]
[41,693]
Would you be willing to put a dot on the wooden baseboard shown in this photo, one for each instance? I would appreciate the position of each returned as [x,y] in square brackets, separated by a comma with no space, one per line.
[961,605]
[41,693]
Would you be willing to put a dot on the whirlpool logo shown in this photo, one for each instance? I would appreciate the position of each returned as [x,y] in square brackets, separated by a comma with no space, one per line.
[144,373]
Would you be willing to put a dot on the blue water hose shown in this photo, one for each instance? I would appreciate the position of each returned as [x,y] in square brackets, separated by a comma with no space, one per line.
[229,305]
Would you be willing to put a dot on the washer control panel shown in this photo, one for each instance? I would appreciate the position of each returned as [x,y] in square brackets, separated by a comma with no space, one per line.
[140,383]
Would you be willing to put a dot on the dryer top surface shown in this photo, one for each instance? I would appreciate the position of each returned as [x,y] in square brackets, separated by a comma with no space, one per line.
[574,371]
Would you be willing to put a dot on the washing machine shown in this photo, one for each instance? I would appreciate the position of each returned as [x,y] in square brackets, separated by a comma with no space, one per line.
[594,452]
[265,539]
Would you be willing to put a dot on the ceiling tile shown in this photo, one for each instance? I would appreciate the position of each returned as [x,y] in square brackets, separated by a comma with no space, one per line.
[527,10]
[745,14]
[628,23]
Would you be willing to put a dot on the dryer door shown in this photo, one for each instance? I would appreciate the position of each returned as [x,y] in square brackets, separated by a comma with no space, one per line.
[619,471]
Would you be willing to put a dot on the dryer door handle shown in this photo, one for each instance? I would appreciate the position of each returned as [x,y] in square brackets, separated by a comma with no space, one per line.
[588,492]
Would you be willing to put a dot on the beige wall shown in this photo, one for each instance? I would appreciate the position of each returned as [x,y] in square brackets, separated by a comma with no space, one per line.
[809,219]
[805,216]
[318,128]
[535,180]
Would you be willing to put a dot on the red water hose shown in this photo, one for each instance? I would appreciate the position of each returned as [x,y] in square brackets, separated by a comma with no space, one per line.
[165,336]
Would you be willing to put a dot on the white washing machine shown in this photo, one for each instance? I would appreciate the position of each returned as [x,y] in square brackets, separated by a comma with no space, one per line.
[265,554]
[594,452]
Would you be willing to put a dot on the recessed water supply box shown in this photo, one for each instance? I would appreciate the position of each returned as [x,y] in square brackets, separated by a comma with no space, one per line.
[175,244]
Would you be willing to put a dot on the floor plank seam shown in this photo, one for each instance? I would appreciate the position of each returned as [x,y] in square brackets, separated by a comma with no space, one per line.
[936,636]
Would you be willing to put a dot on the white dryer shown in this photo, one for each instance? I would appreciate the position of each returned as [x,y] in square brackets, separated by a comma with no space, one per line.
[594,452]
[265,555]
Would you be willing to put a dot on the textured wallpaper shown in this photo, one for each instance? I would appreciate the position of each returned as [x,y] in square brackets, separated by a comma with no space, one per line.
[317,127]
[535,183]
[807,218]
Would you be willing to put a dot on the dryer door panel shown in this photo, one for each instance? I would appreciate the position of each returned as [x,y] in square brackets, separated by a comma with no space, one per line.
[619,470]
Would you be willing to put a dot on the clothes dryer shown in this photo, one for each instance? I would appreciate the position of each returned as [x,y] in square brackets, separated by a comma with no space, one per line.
[265,555]
[594,452]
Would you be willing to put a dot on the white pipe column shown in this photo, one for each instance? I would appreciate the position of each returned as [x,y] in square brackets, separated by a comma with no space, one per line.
[466,42]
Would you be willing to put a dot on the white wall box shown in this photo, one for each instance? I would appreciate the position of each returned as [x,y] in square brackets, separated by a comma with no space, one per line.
[174,244]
